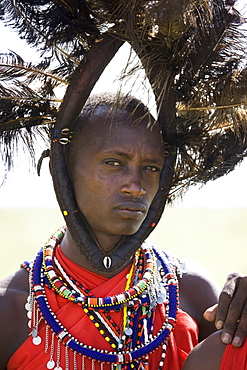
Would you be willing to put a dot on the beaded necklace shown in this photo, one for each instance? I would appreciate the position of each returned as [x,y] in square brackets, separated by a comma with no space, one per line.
[63,289]
[137,341]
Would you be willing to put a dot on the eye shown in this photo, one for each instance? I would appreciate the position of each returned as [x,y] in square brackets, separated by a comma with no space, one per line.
[112,162]
[152,169]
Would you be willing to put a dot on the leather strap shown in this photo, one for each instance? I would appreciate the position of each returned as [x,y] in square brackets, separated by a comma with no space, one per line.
[77,93]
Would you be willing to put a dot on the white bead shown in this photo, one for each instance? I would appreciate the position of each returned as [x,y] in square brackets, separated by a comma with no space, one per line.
[50,364]
[36,341]
[29,314]
[128,331]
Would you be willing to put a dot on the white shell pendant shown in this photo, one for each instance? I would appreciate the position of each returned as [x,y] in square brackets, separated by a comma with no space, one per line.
[107,262]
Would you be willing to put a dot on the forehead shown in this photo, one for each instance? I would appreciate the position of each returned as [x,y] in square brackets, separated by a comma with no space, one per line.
[118,127]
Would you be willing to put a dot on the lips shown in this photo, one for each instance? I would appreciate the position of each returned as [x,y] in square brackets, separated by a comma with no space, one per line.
[131,208]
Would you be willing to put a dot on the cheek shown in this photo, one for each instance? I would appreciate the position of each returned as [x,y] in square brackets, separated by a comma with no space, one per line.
[106,185]
[85,199]
[82,186]
[153,187]
[91,189]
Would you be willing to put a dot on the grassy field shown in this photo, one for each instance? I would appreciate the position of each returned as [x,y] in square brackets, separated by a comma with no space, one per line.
[216,239]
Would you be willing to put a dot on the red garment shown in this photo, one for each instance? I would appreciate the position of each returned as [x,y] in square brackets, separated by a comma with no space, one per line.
[234,358]
[29,356]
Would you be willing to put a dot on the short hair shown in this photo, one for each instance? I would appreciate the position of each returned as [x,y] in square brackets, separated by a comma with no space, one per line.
[115,100]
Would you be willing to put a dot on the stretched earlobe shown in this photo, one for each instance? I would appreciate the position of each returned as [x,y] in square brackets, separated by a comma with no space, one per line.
[45,154]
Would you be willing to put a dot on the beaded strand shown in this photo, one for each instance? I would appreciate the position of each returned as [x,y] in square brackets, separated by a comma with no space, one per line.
[133,351]
[62,288]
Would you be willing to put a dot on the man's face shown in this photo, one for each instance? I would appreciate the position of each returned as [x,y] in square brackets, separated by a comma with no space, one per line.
[115,167]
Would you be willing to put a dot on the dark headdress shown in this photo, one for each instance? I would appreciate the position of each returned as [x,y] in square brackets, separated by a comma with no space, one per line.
[193,55]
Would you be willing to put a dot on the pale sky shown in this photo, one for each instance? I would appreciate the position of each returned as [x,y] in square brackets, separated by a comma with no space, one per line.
[26,189]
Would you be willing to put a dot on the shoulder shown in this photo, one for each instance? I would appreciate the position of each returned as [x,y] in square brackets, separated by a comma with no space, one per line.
[14,287]
[207,354]
[201,280]
[198,291]
[13,319]
[194,282]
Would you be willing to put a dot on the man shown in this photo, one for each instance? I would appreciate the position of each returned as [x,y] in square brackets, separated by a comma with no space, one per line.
[68,313]
[213,354]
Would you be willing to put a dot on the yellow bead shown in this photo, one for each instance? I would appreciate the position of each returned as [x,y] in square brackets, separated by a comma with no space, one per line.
[113,345]
[96,324]
[91,317]
[65,213]
[85,310]
[101,331]
[107,339]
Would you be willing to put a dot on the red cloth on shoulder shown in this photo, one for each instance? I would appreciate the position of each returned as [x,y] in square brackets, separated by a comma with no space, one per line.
[234,358]
[73,318]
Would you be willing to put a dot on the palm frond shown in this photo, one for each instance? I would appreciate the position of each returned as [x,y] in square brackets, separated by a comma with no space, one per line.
[27,108]
[9,71]
[23,122]
[46,23]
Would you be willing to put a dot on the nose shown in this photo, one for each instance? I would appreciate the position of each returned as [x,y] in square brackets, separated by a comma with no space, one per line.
[132,183]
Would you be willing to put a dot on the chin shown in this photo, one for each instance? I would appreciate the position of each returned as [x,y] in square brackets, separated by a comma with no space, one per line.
[130,230]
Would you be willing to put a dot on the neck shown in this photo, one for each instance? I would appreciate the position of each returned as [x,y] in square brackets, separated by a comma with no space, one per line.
[70,249]
[107,241]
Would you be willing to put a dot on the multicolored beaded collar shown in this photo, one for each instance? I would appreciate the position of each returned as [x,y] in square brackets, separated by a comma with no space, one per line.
[157,284]
[63,289]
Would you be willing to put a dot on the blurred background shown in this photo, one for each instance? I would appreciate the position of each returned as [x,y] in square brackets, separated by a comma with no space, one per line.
[209,224]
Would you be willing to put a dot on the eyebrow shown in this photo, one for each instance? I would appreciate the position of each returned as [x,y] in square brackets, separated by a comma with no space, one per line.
[128,156]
